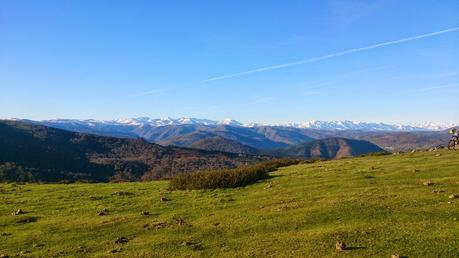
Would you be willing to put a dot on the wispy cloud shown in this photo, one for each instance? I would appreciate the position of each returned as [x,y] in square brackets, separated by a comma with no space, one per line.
[150,92]
[311,60]
[446,86]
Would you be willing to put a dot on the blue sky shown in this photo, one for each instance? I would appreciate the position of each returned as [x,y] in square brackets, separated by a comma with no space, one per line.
[117,59]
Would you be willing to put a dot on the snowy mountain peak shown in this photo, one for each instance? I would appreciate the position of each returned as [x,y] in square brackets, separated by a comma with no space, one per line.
[312,124]
[229,121]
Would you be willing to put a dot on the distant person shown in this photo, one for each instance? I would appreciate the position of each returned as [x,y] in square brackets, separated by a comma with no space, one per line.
[454,140]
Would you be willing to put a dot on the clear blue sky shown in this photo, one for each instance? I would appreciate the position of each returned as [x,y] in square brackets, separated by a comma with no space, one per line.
[116,59]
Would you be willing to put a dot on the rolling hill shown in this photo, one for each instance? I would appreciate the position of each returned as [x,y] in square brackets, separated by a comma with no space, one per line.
[330,148]
[38,153]
[208,141]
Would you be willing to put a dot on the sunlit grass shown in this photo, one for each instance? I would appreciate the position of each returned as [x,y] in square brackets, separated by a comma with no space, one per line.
[377,205]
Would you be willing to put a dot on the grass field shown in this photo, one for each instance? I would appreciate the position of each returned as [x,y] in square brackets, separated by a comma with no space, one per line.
[379,206]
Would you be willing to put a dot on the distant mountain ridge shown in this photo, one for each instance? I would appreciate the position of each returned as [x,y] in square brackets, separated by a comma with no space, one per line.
[231,136]
[313,124]
[329,148]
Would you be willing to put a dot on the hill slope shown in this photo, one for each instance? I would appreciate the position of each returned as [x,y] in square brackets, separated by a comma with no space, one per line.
[39,153]
[378,206]
[208,141]
[330,148]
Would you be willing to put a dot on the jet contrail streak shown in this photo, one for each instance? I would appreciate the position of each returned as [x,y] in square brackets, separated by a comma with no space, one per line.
[275,67]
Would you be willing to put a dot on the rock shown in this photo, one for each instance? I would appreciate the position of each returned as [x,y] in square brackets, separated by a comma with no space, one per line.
[18,212]
[427,183]
[145,213]
[340,246]
[193,245]
[121,240]
[121,193]
[395,256]
[179,221]
[159,225]
[270,185]
[187,243]
[437,155]
[452,196]
[103,212]
[114,251]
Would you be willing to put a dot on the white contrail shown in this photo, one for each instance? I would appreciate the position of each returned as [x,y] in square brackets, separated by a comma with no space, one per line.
[274,67]
[151,92]
[440,87]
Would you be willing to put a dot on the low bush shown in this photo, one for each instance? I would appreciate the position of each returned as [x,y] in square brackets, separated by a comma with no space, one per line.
[228,178]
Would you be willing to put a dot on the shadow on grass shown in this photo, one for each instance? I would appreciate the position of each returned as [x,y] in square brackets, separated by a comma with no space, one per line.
[350,248]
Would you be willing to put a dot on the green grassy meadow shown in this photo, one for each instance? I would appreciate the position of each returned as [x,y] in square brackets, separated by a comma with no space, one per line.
[377,205]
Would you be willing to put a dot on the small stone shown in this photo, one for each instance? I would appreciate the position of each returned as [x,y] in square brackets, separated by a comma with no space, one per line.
[187,243]
[114,251]
[437,155]
[103,212]
[159,225]
[340,246]
[4,256]
[18,212]
[270,185]
[395,256]
[427,183]
[452,196]
[121,193]
[121,240]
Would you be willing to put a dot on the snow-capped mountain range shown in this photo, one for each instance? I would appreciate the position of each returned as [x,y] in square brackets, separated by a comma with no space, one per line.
[313,124]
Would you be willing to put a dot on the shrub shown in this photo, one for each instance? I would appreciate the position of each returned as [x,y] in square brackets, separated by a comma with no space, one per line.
[228,178]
